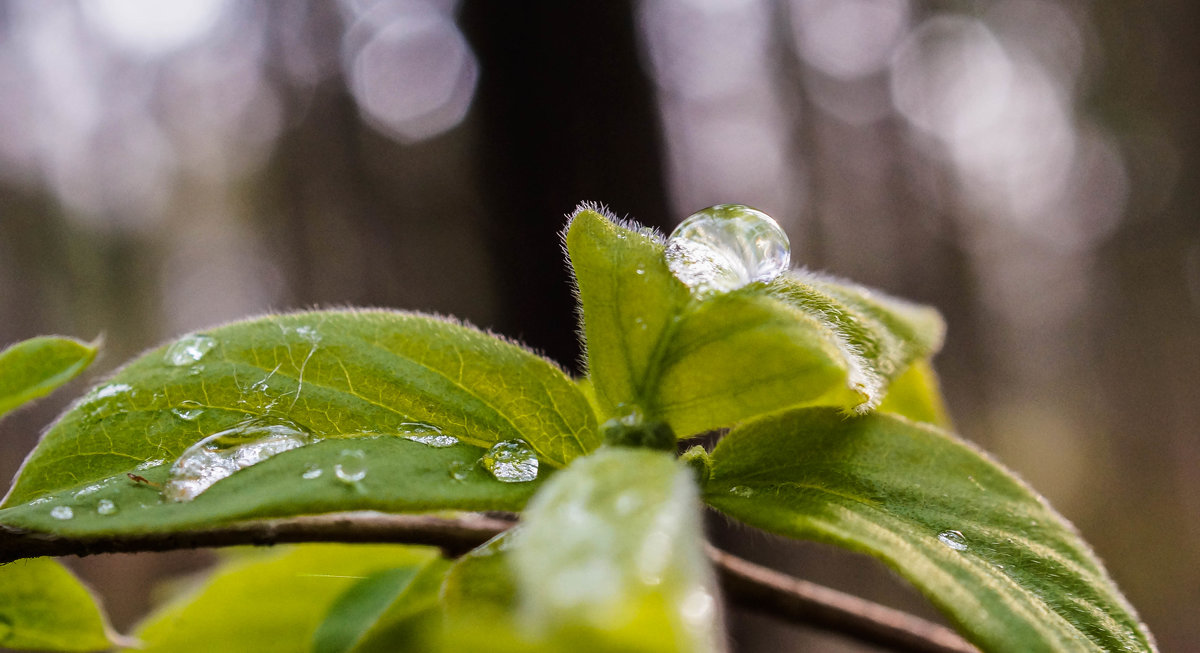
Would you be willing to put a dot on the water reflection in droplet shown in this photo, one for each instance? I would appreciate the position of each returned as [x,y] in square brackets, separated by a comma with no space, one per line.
[953,539]
[106,507]
[62,512]
[223,453]
[725,247]
[188,410]
[351,466]
[426,434]
[511,461]
[459,470]
[189,349]
[312,471]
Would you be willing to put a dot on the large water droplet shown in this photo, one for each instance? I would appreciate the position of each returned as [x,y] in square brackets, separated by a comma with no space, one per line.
[725,247]
[106,507]
[189,349]
[62,512]
[427,434]
[511,461]
[351,466]
[221,454]
[188,410]
[953,539]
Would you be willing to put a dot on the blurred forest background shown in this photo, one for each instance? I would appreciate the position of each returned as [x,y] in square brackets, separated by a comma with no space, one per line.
[1027,166]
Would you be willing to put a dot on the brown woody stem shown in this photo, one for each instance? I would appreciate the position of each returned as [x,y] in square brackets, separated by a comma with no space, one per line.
[745,584]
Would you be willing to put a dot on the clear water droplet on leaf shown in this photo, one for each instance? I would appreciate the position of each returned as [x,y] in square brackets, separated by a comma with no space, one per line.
[459,470]
[953,539]
[189,349]
[511,461]
[427,434]
[312,471]
[62,512]
[225,452]
[725,247]
[188,410]
[351,466]
[742,491]
[106,507]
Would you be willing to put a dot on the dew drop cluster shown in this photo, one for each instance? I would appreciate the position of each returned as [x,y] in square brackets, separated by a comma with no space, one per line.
[725,247]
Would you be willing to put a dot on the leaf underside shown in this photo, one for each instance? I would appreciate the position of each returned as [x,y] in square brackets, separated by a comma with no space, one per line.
[990,553]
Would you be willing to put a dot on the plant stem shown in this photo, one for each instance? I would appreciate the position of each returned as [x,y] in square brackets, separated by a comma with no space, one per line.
[746,584]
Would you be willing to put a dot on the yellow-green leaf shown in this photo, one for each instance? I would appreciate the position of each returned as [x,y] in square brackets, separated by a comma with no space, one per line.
[43,607]
[1007,570]
[36,367]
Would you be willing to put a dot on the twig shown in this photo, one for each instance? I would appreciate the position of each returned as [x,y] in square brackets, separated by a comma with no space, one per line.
[765,590]
[746,584]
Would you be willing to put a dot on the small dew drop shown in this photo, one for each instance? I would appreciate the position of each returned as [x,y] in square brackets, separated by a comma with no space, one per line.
[188,410]
[189,349]
[511,461]
[953,539]
[312,471]
[725,247]
[459,470]
[225,452]
[351,466]
[62,512]
[91,489]
[110,390]
[106,507]
[742,491]
[427,434]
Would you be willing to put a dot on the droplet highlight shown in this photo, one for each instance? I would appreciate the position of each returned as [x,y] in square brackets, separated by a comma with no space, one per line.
[427,434]
[511,461]
[953,539]
[221,454]
[311,472]
[742,491]
[726,247]
[106,507]
[459,470]
[188,410]
[62,512]
[189,349]
[351,466]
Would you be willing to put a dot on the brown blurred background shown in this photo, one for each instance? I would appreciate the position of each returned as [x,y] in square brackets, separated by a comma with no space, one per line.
[1028,166]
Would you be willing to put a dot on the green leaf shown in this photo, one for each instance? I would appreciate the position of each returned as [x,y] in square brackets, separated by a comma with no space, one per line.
[401,476]
[334,375]
[44,607]
[917,395]
[629,301]
[481,581]
[709,362]
[36,367]
[990,553]
[392,610]
[274,601]
[612,545]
